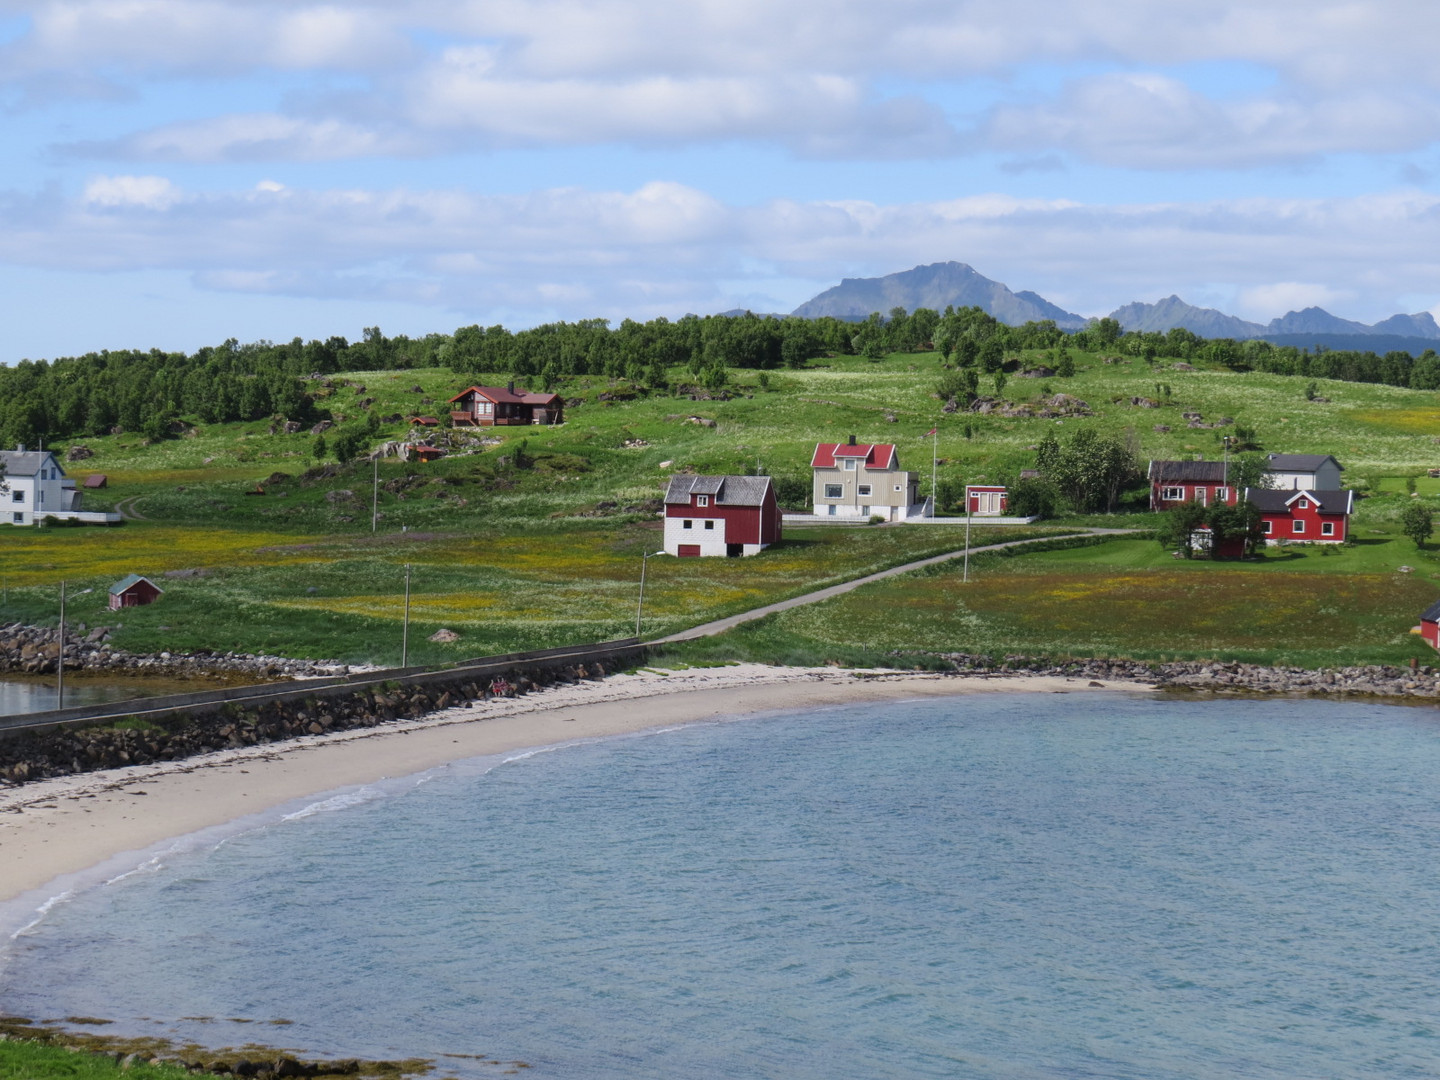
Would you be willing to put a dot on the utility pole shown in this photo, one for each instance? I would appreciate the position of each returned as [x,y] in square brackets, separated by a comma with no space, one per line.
[60,657]
[965,580]
[405,630]
[375,496]
[640,607]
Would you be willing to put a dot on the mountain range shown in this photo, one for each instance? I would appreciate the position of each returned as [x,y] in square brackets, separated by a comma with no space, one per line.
[939,285]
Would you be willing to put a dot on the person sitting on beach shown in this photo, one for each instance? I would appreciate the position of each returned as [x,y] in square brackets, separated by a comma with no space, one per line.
[500,688]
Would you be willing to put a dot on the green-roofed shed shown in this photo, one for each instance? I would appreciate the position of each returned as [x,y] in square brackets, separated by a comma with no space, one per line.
[133,591]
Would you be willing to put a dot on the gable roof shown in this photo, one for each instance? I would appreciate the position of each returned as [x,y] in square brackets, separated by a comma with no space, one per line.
[501,395]
[1431,613]
[874,455]
[1299,462]
[1187,472]
[27,462]
[1278,502]
[131,580]
[728,490]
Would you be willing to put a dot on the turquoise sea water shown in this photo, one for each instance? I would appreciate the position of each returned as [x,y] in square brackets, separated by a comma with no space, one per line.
[1008,887]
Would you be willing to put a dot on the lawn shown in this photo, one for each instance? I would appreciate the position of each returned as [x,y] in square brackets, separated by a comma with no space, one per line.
[1311,607]
[531,537]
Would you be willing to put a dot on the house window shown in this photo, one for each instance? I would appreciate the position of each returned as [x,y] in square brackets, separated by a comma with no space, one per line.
[1301,504]
[1268,528]
[702,500]
[1297,527]
[1222,495]
[899,488]
[834,491]
[1175,494]
[689,524]
[1327,528]
[864,489]
[19,518]
[709,524]
[18,496]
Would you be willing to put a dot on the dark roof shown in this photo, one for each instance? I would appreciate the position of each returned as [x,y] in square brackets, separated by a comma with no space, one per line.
[1187,472]
[1431,613]
[1299,462]
[1278,502]
[728,490]
[130,581]
[501,394]
[25,462]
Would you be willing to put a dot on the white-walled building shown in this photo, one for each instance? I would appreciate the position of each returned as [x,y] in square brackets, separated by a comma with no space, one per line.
[1303,472]
[35,486]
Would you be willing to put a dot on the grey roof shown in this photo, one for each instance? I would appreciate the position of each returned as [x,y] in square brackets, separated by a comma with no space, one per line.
[1431,613]
[1300,462]
[129,580]
[1278,502]
[1183,472]
[728,490]
[25,462]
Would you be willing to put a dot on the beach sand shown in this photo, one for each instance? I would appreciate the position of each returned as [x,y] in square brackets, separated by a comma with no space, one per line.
[52,829]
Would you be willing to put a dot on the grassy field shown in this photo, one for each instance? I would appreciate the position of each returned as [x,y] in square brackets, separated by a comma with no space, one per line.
[1309,607]
[531,537]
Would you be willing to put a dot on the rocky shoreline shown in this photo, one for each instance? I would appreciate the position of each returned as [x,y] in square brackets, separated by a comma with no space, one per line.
[28,756]
[1419,682]
[32,650]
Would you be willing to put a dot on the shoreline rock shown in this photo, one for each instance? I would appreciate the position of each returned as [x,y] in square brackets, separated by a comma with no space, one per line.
[31,650]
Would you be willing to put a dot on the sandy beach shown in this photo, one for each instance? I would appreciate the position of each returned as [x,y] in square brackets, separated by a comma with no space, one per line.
[52,829]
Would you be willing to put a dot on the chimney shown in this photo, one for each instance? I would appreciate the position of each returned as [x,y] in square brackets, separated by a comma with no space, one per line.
[852,440]
[511,386]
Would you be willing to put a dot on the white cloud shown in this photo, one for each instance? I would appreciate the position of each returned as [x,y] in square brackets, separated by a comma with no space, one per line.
[668,248]
[804,74]
[147,192]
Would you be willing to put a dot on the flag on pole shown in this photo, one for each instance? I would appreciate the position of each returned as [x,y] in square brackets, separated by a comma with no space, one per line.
[932,431]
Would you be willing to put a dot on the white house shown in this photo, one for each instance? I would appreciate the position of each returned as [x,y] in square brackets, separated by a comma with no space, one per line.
[1303,472]
[35,485]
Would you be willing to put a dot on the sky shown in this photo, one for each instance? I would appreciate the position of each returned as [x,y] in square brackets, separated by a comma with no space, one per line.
[179,172]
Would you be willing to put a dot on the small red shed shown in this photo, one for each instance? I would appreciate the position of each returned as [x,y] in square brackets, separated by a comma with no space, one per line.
[986,500]
[96,480]
[1430,624]
[133,591]
[424,452]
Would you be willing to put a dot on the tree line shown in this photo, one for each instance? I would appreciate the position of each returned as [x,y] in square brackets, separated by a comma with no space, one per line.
[148,391]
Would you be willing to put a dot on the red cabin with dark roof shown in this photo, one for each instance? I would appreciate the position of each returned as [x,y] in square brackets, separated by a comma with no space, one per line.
[493,406]
[1319,517]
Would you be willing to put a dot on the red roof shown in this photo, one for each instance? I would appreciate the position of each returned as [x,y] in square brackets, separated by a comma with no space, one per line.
[499,394]
[874,455]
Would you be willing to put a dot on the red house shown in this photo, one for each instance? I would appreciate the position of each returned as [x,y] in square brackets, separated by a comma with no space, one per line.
[986,500]
[1176,482]
[720,515]
[133,591]
[1430,624]
[491,406]
[1319,517]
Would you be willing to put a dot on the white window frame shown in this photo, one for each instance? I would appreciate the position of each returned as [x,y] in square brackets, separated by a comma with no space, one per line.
[1297,526]
[899,488]
[1268,527]
[1327,528]
[702,500]
[863,490]
[834,491]
[1302,504]
[709,523]
[19,518]
[849,464]
[1222,495]
[18,496]
[1172,494]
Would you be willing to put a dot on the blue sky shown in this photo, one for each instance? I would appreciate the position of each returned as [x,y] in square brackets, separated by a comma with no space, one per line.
[182,171]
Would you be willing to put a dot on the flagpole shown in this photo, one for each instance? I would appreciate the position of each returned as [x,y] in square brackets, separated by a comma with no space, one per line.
[934,461]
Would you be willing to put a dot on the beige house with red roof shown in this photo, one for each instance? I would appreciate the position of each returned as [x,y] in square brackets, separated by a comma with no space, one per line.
[863,479]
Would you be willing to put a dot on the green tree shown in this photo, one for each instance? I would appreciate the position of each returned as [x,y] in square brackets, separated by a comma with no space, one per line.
[318,449]
[1178,528]
[1242,522]
[1034,496]
[1417,522]
[347,445]
[1090,471]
